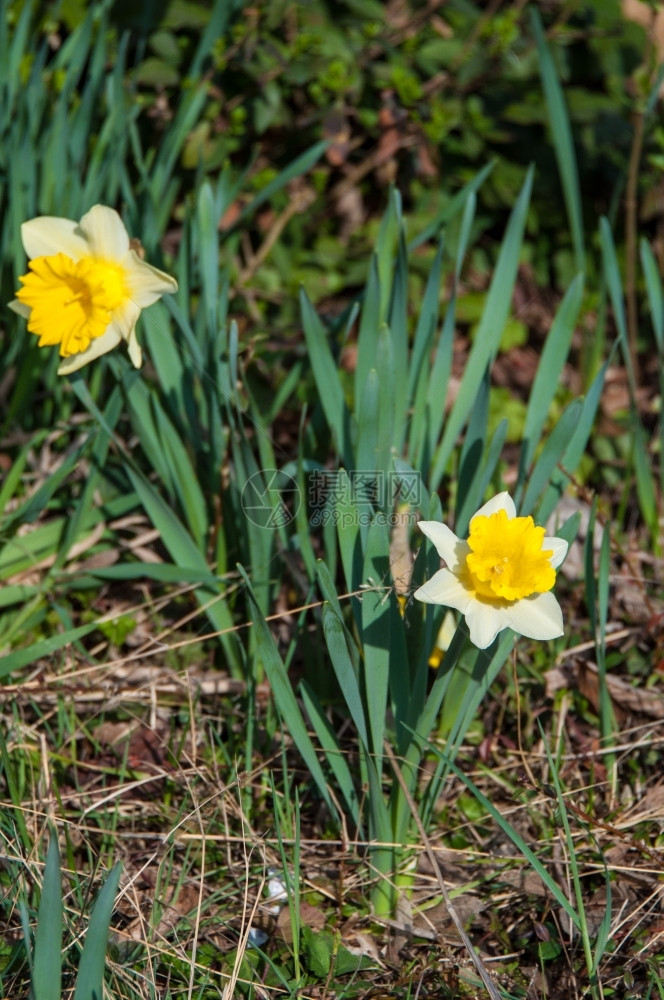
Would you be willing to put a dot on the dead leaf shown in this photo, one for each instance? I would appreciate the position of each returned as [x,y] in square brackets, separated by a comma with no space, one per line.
[401,558]
[310,916]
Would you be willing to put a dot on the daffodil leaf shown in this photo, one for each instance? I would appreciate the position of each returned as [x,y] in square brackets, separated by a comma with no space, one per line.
[345,670]
[47,958]
[284,696]
[335,757]
[561,135]
[489,331]
[90,978]
[545,384]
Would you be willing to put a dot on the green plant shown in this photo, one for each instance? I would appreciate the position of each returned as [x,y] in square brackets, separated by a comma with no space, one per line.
[45,955]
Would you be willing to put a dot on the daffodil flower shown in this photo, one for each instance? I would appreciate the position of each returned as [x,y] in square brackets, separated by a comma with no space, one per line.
[500,577]
[86,286]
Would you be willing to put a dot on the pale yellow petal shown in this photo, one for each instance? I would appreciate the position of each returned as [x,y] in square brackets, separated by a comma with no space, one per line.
[20,308]
[559,548]
[101,345]
[105,233]
[446,542]
[124,321]
[47,235]
[134,348]
[502,501]
[146,284]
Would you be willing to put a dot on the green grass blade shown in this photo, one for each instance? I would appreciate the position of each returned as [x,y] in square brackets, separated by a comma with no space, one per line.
[552,453]
[44,648]
[90,978]
[655,293]
[334,755]
[490,329]
[376,633]
[561,134]
[581,922]
[344,670]
[575,450]
[301,165]
[472,453]
[327,378]
[516,839]
[388,239]
[184,552]
[47,959]
[367,337]
[614,283]
[427,323]
[547,377]
[436,392]
[645,478]
[184,479]
[393,350]
[453,207]
[368,429]
[284,696]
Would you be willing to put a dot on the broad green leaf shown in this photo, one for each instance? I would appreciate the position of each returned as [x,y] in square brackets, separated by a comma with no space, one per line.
[547,376]
[472,455]
[367,337]
[376,631]
[489,331]
[90,978]
[327,378]
[346,675]
[47,959]
[552,453]
[427,323]
[575,449]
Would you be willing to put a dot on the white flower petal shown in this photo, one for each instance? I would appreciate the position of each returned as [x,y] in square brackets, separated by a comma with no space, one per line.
[484,622]
[20,308]
[135,352]
[105,233]
[559,546]
[146,283]
[445,588]
[537,617]
[100,345]
[502,501]
[124,322]
[124,319]
[443,538]
[47,235]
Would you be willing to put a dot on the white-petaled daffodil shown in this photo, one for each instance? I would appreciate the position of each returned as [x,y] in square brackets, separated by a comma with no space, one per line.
[500,577]
[86,286]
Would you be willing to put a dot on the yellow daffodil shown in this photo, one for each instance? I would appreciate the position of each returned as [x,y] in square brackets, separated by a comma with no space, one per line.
[86,286]
[500,577]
